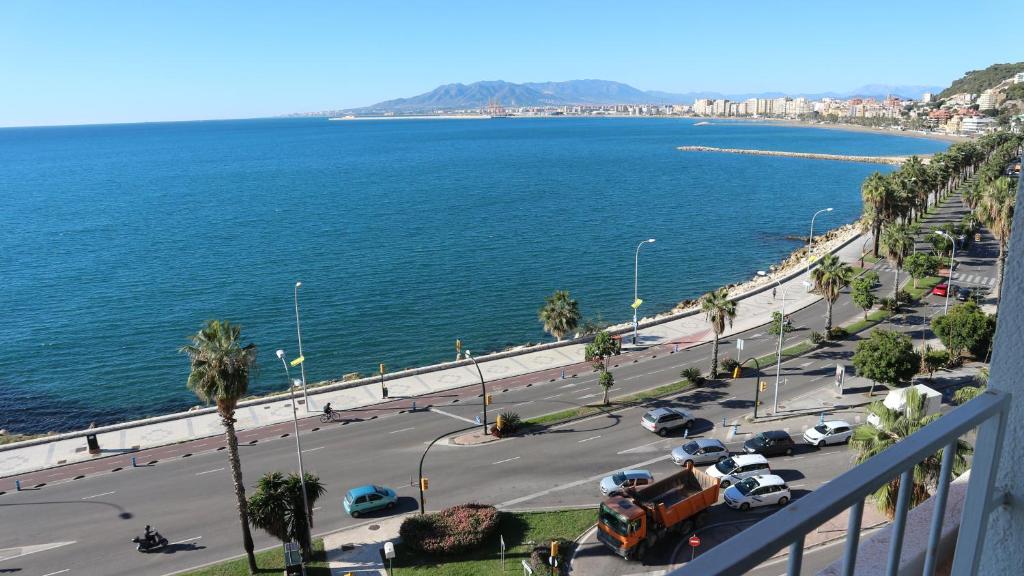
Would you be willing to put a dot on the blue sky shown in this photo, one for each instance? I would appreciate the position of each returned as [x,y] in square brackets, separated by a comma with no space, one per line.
[99,61]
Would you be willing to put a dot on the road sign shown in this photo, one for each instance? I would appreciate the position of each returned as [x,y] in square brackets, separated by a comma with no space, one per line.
[694,541]
[389,550]
[840,376]
[739,343]
[636,303]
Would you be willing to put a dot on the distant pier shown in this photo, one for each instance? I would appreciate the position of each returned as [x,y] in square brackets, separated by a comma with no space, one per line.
[892,160]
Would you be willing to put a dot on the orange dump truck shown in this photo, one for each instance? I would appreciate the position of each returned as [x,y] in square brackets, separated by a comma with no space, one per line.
[633,523]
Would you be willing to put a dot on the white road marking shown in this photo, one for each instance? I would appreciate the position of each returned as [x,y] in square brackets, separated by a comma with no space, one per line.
[806,364]
[589,439]
[315,508]
[186,540]
[550,397]
[402,430]
[797,457]
[450,415]
[209,471]
[796,485]
[589,396]
[9,553]
[570,385]
[729,398]
[528,497]
[314,449]
[506,460]
[98,495]
[525,403]
[627,451]
[758,335]
[58,572]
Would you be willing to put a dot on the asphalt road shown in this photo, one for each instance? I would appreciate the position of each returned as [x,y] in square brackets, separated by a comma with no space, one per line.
[90,521]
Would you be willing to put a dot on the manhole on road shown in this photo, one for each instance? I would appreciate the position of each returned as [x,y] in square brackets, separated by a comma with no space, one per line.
[374,526]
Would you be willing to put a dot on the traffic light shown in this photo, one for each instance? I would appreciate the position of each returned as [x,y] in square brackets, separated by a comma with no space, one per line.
[736,372]
[554,548]
[500,422]
[382,369]
[424,484]
[489,399]
[763,386]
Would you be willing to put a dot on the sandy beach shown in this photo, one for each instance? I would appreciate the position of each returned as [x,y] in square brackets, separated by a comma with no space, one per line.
[851,128]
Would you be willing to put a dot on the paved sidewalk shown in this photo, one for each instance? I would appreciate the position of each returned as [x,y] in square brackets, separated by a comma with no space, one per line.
[755,309]
[356,551]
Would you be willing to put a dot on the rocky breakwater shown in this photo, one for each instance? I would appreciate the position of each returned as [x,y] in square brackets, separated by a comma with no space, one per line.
[892,160]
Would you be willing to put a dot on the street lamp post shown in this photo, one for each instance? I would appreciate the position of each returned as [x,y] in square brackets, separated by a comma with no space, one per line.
[636,270]
[952,258]
[298,332]
[298,447]
[757,382]
[782,331]
[810,239]
[483,387]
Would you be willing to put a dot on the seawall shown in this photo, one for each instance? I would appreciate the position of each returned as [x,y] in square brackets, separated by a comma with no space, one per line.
[891,160]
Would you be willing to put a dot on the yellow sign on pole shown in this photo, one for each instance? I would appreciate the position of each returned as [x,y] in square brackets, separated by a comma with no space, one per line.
[298,361]
[382,368]
[636,303]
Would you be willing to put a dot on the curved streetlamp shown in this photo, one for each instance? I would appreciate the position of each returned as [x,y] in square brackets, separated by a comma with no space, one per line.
[427,449]
[952,256]
[782,331]
[483,387]
[810,239]
[298,332]
[298,447]
[636,270]
[757,382]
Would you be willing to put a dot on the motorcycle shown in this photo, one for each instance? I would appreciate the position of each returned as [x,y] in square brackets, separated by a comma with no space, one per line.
[152,544]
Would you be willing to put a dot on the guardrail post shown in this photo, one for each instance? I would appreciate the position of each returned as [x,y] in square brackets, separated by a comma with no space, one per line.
[413,406]
[134,465]
[17,485]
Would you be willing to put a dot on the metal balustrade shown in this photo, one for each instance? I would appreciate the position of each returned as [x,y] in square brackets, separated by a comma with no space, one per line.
[789,526]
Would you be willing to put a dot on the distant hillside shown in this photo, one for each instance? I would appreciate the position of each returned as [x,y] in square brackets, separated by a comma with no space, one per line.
[592,92]
[474,95]
[977,81]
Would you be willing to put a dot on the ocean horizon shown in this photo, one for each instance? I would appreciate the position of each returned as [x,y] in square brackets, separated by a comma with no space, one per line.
[119,241]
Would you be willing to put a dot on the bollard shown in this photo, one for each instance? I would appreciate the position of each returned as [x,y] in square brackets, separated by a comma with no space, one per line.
[821,418]
[17,485]
[134,465]
[686,433]
[676,348]
[723,422]
[563,374]
[413,406]
[735,429]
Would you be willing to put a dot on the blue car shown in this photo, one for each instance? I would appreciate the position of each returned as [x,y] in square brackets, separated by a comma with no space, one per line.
[368,498]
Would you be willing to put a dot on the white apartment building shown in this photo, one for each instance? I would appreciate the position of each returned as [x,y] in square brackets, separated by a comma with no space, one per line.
[927,97]
[976,124]
[721,107]
[703,106]
[987,100]
[1018,77]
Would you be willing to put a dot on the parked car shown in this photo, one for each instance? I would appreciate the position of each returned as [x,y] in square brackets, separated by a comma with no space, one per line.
[736,468]
[664,420]
[942,289]
[757,491]
[702,451]
[616,483]
[368,498]
[829,432]
[770,443]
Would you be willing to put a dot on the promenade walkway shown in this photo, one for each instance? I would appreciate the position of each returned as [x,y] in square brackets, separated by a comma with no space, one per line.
[754,309]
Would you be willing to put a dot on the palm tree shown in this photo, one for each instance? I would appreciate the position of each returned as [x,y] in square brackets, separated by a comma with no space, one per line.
[873,192]
[220,368]
[830,277]
[897,242]
[277,507]
[967,393]
[560,314]
[996,211]
[916,179]
[894,426]
[718,310]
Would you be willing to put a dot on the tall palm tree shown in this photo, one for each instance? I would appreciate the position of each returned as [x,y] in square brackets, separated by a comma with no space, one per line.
[718,310]
[873,192]
[897,242]
[916,179]
[277,507]
[965,394]
[996,212]
[220,368]
[560,314]
[895,425]
[830,277]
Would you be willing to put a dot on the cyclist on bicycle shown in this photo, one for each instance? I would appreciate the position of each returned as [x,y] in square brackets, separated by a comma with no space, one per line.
[328,410]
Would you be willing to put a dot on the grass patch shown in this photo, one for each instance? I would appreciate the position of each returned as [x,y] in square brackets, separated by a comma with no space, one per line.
[788,353]
[617,402]
[269,562]
[873,318]
[924,286]
[521,531]
[871,259]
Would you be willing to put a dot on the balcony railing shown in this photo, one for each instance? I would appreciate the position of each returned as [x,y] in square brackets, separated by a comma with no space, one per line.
[789,526]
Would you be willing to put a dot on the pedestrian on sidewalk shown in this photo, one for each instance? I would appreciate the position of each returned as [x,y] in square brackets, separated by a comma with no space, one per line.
[773,293]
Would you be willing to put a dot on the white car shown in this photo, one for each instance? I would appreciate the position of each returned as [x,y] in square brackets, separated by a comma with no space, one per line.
[620,481]
[700,451]
[736,468]
[755,491]
[664,420]
[829,432]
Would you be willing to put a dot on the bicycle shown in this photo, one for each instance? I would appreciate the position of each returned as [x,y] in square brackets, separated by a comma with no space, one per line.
[334,416]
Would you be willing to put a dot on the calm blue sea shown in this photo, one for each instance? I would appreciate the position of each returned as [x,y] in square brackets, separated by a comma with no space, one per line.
[117,242]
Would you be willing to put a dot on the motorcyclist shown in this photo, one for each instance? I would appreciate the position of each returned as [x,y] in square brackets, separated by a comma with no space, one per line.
[149,537]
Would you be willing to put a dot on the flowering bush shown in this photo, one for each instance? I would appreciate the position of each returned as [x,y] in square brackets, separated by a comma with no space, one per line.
[450,531]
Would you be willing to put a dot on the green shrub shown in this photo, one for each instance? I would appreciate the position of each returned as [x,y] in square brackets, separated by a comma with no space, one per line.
[727,364]
[838,333]
[903,297]
[510,422]
[693,376]
[541,552]
[817,337]
[451,531]
[890,304]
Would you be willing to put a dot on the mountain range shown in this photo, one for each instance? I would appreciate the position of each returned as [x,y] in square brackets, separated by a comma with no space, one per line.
[480,94]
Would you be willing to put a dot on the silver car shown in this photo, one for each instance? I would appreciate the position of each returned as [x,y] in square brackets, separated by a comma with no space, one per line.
[701,451]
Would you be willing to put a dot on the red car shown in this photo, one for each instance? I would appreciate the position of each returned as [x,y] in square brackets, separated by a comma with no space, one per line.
[941,289]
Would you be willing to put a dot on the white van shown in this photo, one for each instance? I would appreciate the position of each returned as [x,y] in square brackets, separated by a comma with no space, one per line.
[895,400]
[738,467]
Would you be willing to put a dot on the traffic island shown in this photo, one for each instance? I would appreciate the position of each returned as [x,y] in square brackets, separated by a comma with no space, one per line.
[270,561]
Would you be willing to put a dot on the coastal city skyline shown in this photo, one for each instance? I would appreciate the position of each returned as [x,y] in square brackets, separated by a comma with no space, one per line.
[113,62]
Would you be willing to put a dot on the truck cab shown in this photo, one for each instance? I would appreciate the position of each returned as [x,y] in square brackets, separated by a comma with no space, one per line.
[621,526]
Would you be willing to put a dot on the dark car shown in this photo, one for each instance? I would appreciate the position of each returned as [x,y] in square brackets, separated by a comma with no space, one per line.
[770,443]
[964,294]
